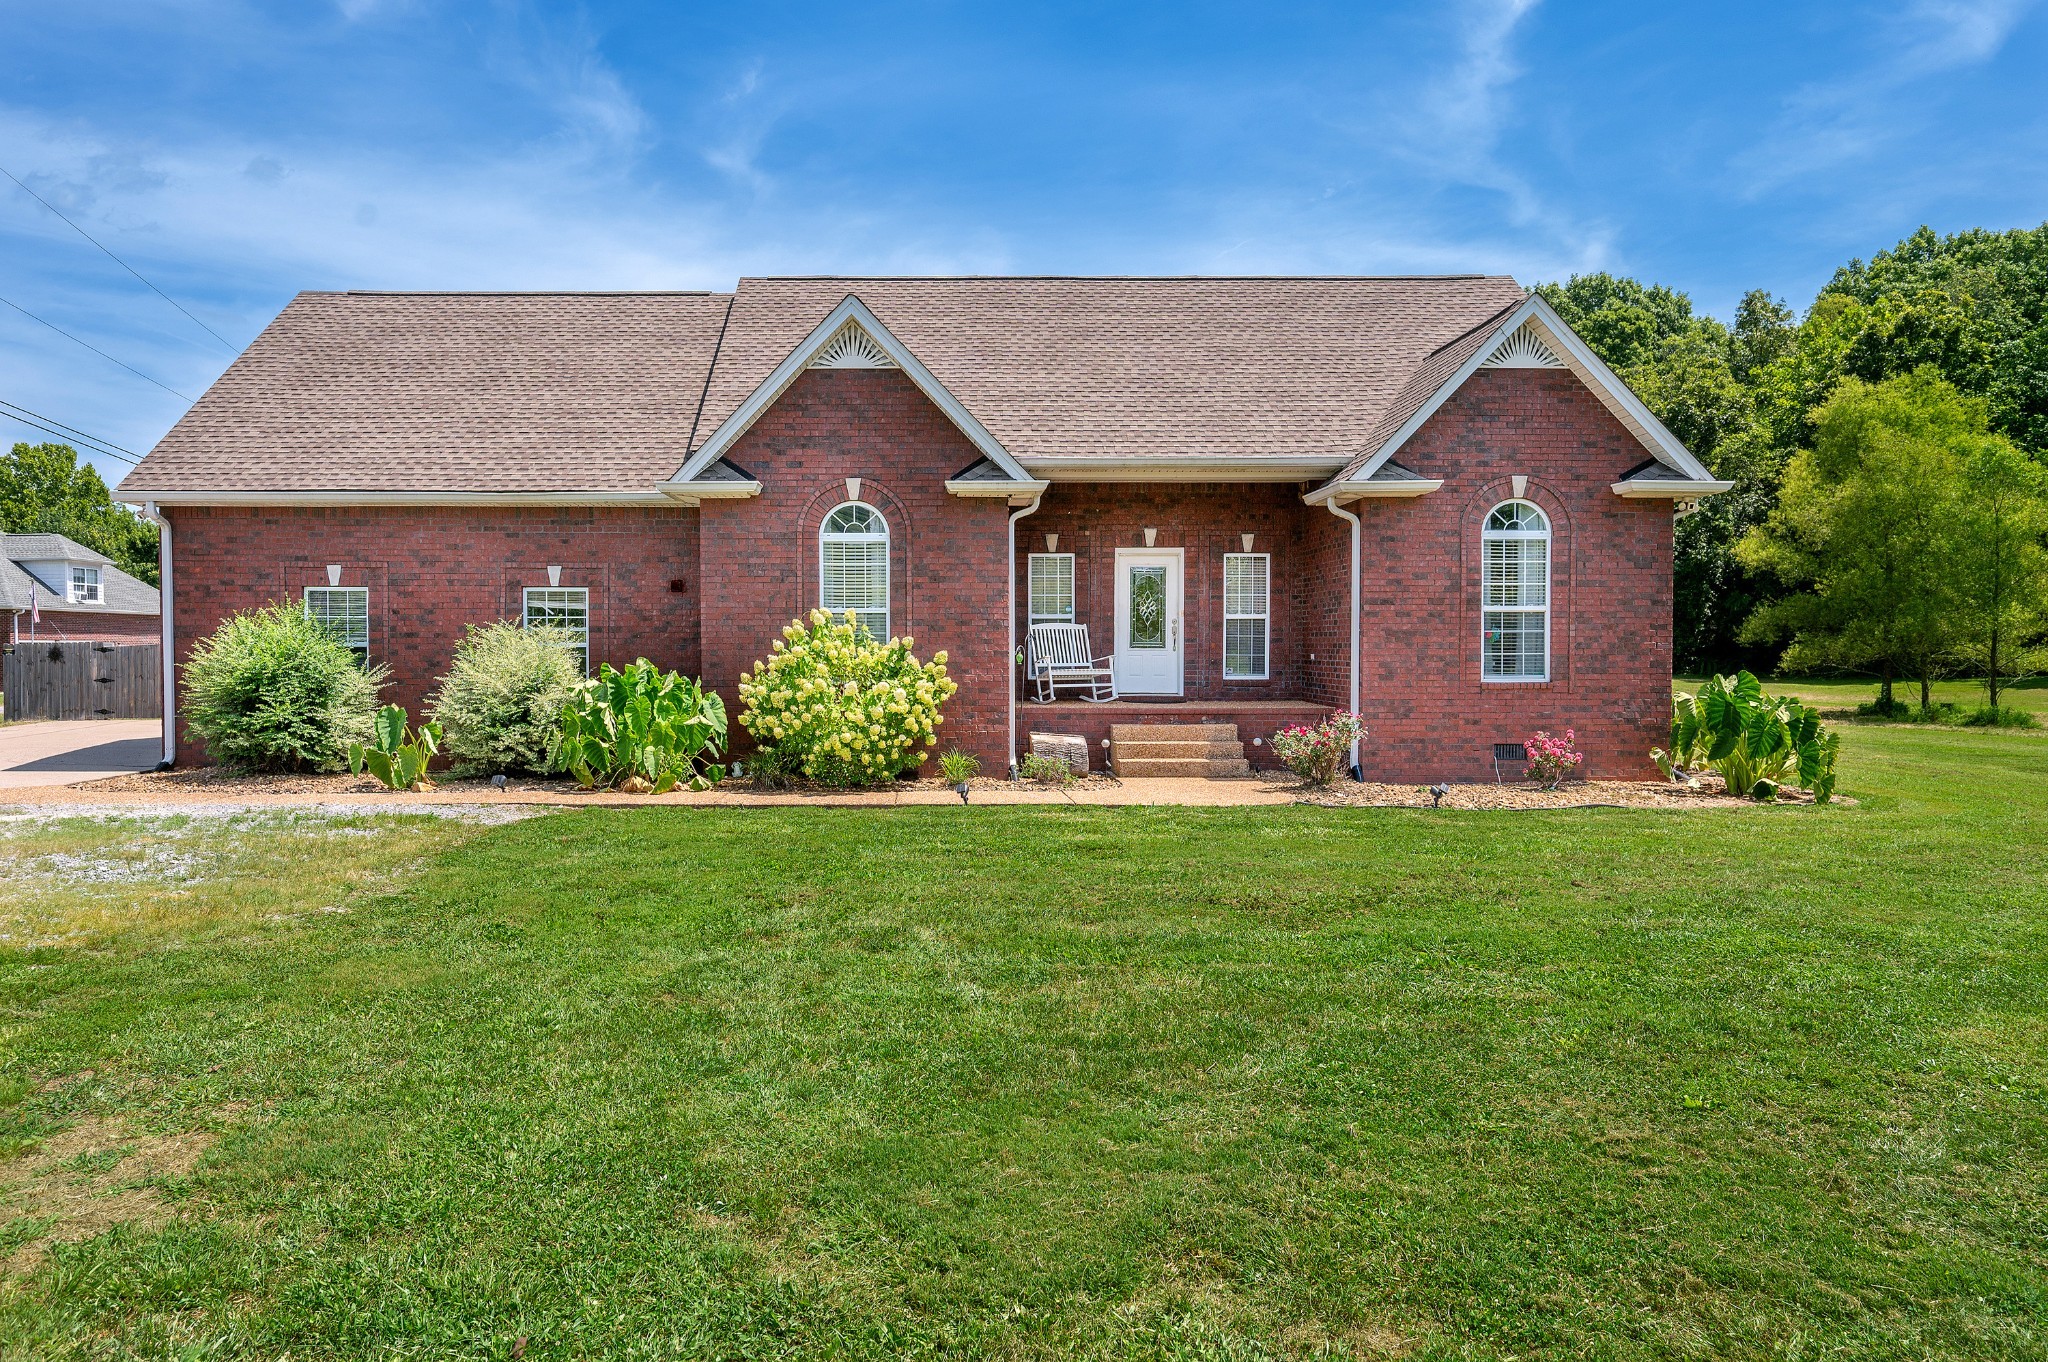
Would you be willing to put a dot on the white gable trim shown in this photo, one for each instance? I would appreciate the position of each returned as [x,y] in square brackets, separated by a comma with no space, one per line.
[851,309]
[1549,329]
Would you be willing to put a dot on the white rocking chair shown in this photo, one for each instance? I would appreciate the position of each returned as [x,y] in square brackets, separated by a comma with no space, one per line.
[1058,655]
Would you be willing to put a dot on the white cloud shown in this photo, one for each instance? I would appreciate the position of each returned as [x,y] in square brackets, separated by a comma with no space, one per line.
[1856,113]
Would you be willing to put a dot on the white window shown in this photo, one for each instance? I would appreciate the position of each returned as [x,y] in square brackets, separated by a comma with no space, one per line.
[1514,594]
[1247,610]
[85,584]
[566,608]
[1052,588]
[345,610]
[853,566]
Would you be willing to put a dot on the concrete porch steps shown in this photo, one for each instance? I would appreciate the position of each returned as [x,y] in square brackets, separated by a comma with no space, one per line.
[1198,750]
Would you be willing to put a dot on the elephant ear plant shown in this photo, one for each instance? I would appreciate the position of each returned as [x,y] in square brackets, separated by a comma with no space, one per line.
[395,754]
[1757,742]
[642,730]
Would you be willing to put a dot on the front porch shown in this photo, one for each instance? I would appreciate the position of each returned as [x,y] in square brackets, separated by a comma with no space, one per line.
[1256,721]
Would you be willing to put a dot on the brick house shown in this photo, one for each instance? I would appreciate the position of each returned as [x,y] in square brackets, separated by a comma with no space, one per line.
[1423,498]
[56,590]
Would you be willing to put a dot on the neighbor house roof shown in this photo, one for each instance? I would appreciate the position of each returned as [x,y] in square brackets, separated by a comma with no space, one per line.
[122,593]
[356,396]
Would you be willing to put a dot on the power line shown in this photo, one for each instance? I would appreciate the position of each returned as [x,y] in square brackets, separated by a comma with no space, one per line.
[50,425]
[115,258]
[94,348]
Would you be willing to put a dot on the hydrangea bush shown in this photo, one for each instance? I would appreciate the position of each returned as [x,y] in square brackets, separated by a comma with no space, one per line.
[1317,754]
[841,707]
[1551,759]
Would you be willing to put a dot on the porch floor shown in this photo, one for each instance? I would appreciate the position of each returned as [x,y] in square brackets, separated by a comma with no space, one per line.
[1170,711]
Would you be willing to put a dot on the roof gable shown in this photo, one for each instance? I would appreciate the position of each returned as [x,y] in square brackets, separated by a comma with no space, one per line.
[850,336]
[1530,335]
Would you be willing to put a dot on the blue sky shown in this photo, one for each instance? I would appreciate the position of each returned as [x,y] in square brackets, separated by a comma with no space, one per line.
[237,152]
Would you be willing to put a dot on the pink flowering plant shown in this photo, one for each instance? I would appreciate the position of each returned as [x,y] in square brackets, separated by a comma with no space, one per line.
[1551,759]
[1317,754]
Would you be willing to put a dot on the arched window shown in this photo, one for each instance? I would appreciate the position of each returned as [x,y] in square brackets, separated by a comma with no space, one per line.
[1514,594]
[853,565]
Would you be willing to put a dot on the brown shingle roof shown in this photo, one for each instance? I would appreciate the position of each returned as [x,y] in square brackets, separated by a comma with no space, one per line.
[486,392]
[1125,368]
[597,392]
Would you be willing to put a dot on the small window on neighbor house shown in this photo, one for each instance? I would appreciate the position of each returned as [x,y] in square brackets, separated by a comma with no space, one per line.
[1247,599]
[345,610]
[1514,594]
[85,585]
[566,608]
[1052,588]
[853,566]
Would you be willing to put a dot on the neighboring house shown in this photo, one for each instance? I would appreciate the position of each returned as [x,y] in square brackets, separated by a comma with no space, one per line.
[57,590]
[1266,498]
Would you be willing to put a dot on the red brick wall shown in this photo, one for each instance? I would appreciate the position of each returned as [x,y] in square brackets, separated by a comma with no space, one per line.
[1610,669]
[1206,521]
[86,627]
[432,570]
[946,571]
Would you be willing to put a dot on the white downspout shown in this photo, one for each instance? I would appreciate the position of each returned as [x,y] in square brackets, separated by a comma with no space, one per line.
[1357,773]
[169,636]
[1010,653]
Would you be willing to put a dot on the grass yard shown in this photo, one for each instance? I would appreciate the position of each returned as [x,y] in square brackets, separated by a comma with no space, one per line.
[1831,693]
[1043,1082]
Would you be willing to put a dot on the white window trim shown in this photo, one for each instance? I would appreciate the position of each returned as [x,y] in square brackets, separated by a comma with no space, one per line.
[1030,586]
[1265,673]
[362,592]
[90,590]
[1546,534]
[526,612]
[888,566]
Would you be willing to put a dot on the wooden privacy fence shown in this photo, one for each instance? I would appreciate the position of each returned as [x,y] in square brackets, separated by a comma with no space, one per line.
[83,680]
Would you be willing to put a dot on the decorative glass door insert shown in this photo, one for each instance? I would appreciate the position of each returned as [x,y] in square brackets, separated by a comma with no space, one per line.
[1148,607]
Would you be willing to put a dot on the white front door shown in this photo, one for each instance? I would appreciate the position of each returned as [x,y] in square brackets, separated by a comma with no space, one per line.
[1148,621]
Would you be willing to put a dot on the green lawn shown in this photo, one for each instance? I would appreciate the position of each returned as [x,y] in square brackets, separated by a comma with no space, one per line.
[1055,1082]
[1830,693]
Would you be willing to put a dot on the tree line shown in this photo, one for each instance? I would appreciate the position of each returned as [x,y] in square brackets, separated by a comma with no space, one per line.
[44,489]
[1887,448]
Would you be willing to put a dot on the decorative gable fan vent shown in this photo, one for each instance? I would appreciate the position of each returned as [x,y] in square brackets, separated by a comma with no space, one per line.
[852,348]
[1523,350]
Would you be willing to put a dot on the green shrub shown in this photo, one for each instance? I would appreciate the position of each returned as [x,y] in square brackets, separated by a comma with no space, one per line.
[1756,742]
[642,729]
[1045,770]
[959,767]
[500,705]
[271,690]
[842,707]
[397,755]
[2000,716]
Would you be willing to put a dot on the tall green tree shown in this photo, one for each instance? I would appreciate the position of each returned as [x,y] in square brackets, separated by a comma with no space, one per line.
[44,489]
[2000,567]
[1865,532]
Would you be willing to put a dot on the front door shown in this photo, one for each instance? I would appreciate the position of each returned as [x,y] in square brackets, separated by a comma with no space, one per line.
[1148,621]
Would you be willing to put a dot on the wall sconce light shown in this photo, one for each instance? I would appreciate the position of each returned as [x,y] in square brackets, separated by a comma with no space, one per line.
[1151,536]
[1247,538]
[554,576]
[334,574]
[1052,543]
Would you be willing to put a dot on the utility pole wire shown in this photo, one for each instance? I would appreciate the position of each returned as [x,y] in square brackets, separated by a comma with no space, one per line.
[94,348]
[117,259]
[50,425]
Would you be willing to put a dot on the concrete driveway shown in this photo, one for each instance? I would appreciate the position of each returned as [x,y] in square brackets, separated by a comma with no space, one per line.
[66,751]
